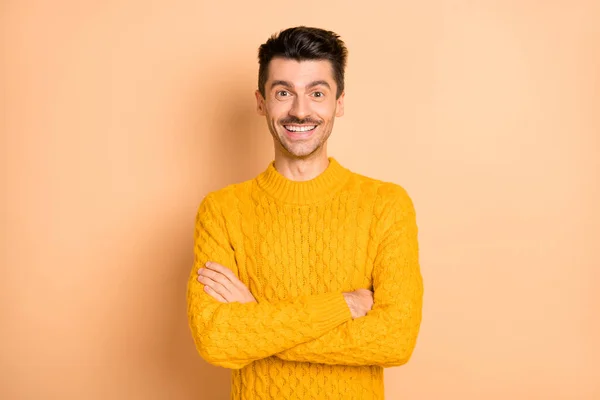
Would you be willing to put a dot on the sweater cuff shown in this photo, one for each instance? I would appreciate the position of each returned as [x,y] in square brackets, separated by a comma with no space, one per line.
[328,310]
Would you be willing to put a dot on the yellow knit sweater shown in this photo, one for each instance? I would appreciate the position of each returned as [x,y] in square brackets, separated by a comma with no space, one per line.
[298,246]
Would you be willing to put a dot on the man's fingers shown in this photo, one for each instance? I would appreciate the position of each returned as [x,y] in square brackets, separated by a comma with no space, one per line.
[217,277]
[216,285]
[237,283]
[223,270]
[211,282]
[224,282]
[214,294]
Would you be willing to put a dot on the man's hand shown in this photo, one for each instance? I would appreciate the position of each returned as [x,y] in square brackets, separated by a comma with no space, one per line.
[222,284]
[360,302]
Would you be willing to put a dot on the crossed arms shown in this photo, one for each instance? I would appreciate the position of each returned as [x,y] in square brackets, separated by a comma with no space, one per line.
[312,328]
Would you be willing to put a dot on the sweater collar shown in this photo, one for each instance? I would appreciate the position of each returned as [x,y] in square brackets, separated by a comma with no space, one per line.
[304,192]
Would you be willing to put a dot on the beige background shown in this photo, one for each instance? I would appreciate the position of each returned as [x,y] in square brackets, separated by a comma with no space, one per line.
[119,116]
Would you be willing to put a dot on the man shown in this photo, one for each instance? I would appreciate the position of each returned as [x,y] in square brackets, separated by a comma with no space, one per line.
[306,279]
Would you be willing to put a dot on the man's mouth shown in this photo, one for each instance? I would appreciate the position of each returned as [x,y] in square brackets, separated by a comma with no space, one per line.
[300,128]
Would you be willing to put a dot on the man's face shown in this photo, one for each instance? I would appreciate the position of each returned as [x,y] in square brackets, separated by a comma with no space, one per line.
[300,105]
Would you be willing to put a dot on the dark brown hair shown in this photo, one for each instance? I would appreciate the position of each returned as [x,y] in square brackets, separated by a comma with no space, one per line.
[303,43]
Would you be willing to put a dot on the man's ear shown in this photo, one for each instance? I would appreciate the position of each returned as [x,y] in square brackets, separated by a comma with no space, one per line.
[339,109]
[260,103]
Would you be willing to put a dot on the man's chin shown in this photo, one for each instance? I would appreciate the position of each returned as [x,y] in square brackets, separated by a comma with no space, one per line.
[301,152]
[297,149]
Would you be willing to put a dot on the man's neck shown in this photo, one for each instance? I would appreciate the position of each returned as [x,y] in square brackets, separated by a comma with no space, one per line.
[298,169]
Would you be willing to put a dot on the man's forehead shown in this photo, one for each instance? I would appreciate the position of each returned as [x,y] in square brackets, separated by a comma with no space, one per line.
[300,73]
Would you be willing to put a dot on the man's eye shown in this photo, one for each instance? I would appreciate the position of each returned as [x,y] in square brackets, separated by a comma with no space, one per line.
[282,93]
[318,94]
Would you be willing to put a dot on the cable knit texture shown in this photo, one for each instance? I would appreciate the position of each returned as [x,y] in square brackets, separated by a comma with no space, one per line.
[298,246]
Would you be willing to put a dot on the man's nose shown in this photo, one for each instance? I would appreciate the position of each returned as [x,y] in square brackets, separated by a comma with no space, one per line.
[300,109]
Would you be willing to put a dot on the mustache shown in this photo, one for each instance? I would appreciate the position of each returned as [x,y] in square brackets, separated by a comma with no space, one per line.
[298,121]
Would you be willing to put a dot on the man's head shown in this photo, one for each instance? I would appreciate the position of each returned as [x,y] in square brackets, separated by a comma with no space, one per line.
[301,88]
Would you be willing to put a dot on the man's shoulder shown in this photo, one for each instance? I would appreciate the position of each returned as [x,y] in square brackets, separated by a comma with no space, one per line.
[387,199]
[382,191]
[228,196]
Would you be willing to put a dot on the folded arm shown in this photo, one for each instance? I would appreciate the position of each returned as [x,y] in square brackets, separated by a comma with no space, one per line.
[233,335]
[387,335]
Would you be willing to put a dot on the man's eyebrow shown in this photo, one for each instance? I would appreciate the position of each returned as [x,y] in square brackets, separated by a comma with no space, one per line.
[290,86]
[281,83]
[317,83]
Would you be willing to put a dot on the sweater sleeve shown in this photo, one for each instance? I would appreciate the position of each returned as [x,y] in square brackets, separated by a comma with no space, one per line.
[233,335]
[387,335]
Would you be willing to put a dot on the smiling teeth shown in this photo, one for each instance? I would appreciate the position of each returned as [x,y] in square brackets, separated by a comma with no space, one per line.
[300,128]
